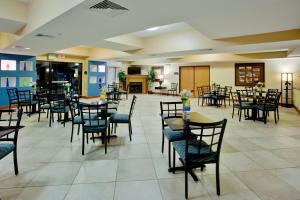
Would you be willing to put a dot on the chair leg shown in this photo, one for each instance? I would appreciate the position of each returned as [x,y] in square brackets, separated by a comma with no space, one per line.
[105,140]
[108,133]
[50,119]
[39,115]
[129,127]
[218,178]
[83,143]
[72,132]
[16,162]
[87,138]
[174,159]
[277,113]
[169,154]
[78,130]
[275,117]
[240,115]
[47,113]
[186,181]
[232,112]
[162,143]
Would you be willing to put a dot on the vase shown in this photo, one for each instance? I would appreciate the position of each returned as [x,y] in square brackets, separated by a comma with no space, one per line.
[186,105]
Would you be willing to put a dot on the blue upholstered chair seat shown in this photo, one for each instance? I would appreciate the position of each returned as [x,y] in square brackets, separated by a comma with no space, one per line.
[78,120]
[45,106]
[173,135]
[14,101]
[267,107]
[5,149]
[244,105]
[193,151]
[120,118]
[95,126]
[60,110]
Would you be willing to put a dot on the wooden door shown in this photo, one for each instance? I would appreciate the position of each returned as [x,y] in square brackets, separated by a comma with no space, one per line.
[192,77]
[201,77]
[186,78]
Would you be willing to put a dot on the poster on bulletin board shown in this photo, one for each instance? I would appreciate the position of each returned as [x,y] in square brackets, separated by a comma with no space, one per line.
[25,65]
[25,81]
[93,80]
[93,68]
[8,81]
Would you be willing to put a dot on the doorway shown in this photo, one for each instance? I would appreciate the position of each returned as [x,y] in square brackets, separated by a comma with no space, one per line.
[191,77]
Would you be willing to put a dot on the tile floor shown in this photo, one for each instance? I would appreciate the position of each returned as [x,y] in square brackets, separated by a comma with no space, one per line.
[258,161]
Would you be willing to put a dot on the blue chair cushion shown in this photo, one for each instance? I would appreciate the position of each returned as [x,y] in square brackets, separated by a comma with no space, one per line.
[60,110]
[120,118]
[193,151]
[45,106]
[77,120]
[13,101]
[267,107]
[95,126]
[5,149]
[173,135]
[244,105]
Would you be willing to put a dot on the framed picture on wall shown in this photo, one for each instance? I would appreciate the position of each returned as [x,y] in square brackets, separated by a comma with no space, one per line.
[93,68]
[101,68]
[25,65]
[25,81]
[93,80]
[8,81]
[8,65]
[249,74]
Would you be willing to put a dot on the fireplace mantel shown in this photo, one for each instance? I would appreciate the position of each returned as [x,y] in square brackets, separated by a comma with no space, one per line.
[138,78]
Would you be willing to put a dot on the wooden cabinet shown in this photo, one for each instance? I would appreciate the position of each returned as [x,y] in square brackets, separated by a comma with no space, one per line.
[248,74]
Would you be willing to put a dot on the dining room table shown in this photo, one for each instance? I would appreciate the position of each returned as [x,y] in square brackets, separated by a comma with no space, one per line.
[177,124]
[255,97]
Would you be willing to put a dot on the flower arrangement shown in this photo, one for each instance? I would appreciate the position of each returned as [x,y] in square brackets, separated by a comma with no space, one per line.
[185,94]
[259,86]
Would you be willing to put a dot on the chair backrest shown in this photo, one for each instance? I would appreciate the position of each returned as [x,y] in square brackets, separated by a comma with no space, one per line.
[228,90]
[207,136]
[222,91]
[171,109]
[112,87]
[132,106]
[234,97]
[74,107]
[94,116]
[57,101]
[42,98]
[271,98]
[24,97]
[174,86]
[16,126]
[205,89]
[12,94]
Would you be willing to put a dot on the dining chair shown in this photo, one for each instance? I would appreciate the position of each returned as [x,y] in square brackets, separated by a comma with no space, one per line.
[205,94]
[94,120]
[58,104]
[220,96]
[170,110]
[270,104]
[196,152]
[25,99]
[123,118]
[12,96]
[43,104]
[228,92]
[74,107]
[240,105]
[173,89]
[8,144]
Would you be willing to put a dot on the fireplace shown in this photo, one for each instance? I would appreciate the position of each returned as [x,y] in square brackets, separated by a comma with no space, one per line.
[135,87]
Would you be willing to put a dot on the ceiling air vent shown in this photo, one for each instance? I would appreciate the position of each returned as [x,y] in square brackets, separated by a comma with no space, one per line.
[109,8]
[40,35]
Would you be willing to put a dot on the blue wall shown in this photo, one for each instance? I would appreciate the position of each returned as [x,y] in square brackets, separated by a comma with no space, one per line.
[93,88]
[17,74]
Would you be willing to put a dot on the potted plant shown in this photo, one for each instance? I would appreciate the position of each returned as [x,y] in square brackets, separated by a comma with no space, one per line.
[151,78]
[122,77]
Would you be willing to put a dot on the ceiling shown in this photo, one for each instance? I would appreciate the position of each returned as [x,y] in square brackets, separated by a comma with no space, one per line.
[184,27]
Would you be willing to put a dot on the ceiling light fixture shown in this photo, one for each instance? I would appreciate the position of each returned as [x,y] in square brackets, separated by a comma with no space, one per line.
[153,28]
[27,48]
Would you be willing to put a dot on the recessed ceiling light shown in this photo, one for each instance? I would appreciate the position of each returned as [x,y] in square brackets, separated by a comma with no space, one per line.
[152,29]
[27,48]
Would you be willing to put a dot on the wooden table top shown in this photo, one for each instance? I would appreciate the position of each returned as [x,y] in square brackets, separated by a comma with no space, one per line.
[177,123]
